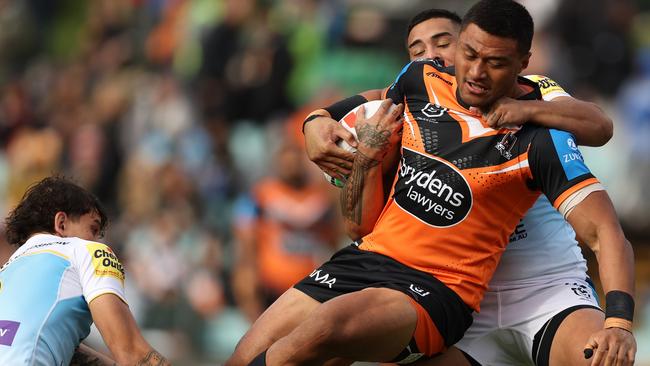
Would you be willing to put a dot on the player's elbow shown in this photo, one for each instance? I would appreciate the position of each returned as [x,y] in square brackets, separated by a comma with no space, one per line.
[604,127]
[606,130]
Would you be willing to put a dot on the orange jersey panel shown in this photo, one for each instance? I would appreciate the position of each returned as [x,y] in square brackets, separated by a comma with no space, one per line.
[461,186]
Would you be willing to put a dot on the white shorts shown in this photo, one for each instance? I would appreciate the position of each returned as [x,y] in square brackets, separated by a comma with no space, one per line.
[504,331]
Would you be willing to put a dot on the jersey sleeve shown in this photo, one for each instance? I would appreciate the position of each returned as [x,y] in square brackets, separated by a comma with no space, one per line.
[100,271]
[410,74]
[557,165]
[549,88]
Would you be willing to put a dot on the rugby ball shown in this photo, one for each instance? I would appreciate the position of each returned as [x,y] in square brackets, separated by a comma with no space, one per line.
[349,122]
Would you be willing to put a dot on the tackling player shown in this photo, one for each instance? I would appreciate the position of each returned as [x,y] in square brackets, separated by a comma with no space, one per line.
[408,288]
[543,263]
[60,280]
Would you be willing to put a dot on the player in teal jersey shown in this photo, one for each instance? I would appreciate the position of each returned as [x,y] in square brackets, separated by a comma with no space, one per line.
[60,280]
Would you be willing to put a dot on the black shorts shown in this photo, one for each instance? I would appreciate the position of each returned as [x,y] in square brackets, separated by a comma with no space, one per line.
[352,269]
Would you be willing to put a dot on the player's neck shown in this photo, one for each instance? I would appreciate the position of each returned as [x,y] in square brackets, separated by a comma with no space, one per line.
[519,90]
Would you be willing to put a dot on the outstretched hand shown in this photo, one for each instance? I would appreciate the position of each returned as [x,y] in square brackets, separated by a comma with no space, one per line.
[611,346]
[321,136]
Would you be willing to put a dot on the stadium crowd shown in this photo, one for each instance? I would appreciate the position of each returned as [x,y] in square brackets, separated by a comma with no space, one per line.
[173,111]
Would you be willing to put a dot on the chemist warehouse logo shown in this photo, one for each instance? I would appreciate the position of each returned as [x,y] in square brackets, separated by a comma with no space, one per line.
[105,262]
[434,191]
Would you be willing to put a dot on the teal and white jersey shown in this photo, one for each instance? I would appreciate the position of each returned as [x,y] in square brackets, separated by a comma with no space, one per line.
[542,247]
[45,289]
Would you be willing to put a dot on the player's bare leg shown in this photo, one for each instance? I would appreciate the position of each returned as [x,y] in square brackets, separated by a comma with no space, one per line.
[572,335]
[374,324]
[452,357]
[285,314]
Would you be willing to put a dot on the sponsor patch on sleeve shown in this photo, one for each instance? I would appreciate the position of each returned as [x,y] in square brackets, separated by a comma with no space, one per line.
[548,87]
[567,151]
[105,262]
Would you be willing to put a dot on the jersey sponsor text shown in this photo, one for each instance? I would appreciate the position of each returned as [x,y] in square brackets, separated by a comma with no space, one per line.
[323,278]
[434,192]
[105,262]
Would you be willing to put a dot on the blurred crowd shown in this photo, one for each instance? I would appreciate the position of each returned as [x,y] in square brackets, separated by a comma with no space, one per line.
[183,117]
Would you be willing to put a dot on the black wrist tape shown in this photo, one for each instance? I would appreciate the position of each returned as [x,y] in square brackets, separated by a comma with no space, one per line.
[339,109]
[619,304]
[310,118]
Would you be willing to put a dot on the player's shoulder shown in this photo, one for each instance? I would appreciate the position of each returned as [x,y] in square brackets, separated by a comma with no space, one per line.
[538,134]
[48,243]
[549,143]
[549,88]
[100,258]
[93,248]
[542,132]
[431,63]
[90,250]
[417,66]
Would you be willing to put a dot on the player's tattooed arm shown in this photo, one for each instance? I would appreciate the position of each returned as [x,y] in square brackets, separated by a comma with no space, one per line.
[362,196]
[374,137]
[153,358]
[352,193]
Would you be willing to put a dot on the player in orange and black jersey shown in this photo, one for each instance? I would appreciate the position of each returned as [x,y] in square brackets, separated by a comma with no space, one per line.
[457,179]
[407,290]
[542,263]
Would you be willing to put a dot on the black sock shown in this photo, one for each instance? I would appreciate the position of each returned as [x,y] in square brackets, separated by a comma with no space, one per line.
[260,360]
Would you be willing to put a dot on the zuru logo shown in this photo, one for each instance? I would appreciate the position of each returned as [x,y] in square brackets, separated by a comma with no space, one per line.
[432,190]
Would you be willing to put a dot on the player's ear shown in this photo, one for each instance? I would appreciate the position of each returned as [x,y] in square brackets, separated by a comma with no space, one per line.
[60,219]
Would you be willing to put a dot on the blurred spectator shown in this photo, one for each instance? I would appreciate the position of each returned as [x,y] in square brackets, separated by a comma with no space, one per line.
[283,231]
[595,33]
[32,154]
[245,65]
[634,106]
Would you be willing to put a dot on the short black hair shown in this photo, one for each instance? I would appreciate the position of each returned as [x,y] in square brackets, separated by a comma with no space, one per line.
[503,18]
[432,14]
[36,210]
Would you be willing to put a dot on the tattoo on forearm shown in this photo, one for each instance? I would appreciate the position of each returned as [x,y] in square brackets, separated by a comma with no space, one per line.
[352,192]
[81,359]
[373,137]
[153,358]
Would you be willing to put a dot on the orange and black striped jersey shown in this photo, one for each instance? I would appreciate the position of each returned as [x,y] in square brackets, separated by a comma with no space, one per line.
[462,187]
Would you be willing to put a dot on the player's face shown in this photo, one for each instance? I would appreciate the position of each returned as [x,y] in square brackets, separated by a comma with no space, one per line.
[487,67]
[433,38]
[86,227]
